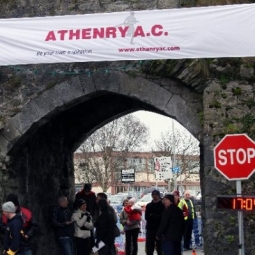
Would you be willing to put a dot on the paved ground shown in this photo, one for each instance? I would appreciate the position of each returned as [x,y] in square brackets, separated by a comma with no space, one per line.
[141,250]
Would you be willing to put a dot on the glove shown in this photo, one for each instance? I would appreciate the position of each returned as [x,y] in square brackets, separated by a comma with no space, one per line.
[97,242]
[10,252]
[88,218]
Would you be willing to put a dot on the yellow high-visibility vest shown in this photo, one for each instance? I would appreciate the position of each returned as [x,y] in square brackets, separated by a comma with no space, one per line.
[181,203]
[192,207]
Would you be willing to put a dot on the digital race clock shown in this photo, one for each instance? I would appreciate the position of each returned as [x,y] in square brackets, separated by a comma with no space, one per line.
[234,202]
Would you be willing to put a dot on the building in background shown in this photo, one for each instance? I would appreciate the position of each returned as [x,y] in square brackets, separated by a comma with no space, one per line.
[142,163]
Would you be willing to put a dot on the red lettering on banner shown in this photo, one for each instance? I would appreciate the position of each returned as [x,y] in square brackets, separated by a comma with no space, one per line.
[139,32]
[86,33]
[51,36]
[110,31]
[98,32]
[123,31]
[62,34]
[156,30]
[75,34]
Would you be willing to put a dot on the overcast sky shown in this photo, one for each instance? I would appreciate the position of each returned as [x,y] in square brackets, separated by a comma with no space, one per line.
[157,123]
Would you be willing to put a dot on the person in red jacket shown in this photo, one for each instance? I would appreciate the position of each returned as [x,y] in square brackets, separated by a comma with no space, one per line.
[134,212]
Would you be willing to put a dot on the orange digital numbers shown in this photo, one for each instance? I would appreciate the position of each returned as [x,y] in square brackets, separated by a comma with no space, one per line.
[231,202]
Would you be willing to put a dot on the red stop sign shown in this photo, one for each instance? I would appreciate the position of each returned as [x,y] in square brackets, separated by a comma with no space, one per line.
[234,157]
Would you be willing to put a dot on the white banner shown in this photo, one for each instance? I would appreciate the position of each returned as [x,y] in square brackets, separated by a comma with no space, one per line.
[200,32]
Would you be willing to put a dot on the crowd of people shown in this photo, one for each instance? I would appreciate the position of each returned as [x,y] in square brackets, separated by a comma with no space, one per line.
[91,224]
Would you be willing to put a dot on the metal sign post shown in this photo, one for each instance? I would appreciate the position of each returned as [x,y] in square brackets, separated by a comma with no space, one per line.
[240,221]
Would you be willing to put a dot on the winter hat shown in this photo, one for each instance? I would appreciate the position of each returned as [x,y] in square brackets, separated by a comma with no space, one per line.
[170,197]
[155,191]
[9,207]
[176,193]
[12,198]
[87,187]
[131,200]
[80,202]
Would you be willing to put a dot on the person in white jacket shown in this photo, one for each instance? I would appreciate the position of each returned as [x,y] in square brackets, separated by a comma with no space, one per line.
[82,228]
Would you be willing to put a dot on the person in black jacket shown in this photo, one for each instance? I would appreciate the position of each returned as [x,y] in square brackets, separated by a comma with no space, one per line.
[171,228]
[29,228]
[153,214]
[89,196]
[105,228]
[63,226]
[12,237]
[100,196]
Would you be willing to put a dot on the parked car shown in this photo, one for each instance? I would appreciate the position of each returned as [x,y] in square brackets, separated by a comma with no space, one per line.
[116,201]
[144,200]
[149,190]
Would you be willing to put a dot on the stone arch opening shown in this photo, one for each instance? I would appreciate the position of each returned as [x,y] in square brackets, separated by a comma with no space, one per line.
[41,139]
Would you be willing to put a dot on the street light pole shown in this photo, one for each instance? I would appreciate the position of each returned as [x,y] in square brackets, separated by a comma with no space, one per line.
[175,174]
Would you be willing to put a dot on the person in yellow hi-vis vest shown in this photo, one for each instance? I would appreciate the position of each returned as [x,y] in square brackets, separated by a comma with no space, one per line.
[189,221]
[181,203]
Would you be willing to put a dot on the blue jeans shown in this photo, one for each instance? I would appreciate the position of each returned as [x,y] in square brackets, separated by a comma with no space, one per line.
[66,245]
[27,252]
[171,247]
[196,232]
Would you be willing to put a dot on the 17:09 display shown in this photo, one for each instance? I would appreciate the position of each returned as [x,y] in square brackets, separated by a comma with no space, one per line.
[243,203]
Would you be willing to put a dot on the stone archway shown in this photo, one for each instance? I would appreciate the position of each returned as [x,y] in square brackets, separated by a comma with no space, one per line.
[169,100]
[41,138]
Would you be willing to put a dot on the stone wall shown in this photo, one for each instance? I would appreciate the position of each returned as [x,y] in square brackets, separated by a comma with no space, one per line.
[228,108]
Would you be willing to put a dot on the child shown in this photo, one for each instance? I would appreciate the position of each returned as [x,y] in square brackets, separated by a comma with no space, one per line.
[133,211]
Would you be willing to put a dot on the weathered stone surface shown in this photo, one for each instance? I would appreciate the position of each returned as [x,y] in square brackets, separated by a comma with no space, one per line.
[111,82]
[246,72]
[166,4]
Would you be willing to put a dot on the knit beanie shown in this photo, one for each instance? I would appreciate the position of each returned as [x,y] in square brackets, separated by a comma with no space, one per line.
[9,207]
[176,193]
[170,197]
[80,202]
[132,200]
[155,191]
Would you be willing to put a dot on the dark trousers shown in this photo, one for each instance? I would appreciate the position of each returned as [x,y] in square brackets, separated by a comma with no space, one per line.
[151,242]
[82,246]
[108,249]
[131,241]
[27,252]
[188,233]
[171,247]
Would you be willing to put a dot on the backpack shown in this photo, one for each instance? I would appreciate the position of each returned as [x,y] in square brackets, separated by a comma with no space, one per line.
[26,216]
